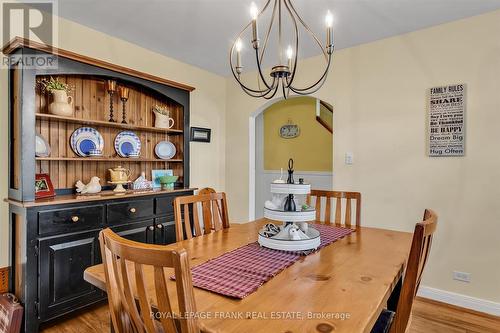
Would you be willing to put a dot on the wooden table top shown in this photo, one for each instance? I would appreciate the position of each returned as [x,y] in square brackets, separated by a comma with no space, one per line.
[342,288]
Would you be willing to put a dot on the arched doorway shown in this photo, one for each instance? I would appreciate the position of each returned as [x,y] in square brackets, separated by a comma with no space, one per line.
[270,149]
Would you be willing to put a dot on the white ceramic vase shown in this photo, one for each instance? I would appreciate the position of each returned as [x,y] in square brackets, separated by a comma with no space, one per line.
[62,104]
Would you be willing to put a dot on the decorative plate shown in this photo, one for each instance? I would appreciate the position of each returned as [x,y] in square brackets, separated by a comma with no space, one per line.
[42,147]
[127,143]
[289,131]
[165,150]
[85,139]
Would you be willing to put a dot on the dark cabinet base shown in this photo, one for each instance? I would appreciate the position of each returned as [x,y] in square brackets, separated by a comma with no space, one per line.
[53,245]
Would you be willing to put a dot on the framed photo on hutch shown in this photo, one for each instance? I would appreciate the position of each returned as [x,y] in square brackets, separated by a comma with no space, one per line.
[43,186]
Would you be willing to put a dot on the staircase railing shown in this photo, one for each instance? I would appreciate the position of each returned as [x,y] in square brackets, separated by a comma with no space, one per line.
[325,116]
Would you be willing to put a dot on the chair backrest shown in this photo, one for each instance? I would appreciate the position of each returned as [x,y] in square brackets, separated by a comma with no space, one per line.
[419,252]
[214,210]
[124,264]
[207,190]
[339,196]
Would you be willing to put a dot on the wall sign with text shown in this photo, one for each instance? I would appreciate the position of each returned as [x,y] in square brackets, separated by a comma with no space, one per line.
[447,120]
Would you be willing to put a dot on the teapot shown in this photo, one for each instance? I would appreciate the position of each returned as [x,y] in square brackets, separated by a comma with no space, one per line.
[119,174]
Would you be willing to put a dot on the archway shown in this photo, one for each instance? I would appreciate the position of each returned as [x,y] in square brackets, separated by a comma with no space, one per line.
[315,120]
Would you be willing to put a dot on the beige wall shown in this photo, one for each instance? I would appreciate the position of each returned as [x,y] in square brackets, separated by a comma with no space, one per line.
[378,91]
[207,105]
[312,150]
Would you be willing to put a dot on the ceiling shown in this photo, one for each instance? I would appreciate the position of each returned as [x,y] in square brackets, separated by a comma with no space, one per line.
[200,32]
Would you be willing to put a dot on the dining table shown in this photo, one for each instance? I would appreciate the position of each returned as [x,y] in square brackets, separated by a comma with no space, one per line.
[343,287]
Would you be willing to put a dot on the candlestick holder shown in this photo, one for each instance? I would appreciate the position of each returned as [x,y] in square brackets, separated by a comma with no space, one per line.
[124,92]
[111,88]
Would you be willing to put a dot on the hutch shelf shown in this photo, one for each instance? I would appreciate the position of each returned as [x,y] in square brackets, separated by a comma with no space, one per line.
[107,123]
[53,240]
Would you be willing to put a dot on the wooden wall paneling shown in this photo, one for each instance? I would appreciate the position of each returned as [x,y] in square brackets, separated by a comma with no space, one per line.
[146,114]
[91,101]
[98,169]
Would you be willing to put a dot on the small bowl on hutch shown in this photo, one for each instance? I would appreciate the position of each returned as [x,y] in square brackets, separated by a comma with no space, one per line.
[95,153]
[134,155]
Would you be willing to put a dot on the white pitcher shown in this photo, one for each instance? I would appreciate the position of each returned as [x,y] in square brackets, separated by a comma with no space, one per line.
[163,121]
[62,104]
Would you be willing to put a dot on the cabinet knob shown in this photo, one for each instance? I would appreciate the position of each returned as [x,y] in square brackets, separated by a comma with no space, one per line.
[132,210]
[159,226]
[75,218]
[151,228]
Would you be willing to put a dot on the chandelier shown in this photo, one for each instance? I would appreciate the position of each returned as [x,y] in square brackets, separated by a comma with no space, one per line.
[282,74]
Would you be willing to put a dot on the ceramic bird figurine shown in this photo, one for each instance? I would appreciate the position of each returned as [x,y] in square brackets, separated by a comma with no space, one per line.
[294,234]
[94,186]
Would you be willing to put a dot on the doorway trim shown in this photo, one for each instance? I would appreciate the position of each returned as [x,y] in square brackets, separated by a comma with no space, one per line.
[251,151]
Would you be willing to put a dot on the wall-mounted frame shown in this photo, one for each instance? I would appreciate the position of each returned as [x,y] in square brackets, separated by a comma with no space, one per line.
[200,134]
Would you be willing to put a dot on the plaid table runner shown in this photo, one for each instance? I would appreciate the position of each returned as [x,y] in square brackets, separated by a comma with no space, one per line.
[240,272]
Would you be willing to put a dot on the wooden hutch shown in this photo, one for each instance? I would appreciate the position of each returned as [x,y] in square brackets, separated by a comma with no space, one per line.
[53,240]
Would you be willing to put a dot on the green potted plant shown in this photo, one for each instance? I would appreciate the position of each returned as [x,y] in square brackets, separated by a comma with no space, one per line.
[62,103]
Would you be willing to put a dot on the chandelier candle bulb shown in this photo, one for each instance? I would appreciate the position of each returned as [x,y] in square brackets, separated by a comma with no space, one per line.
[254,12]
[329,29]
[289,55]
[238,47]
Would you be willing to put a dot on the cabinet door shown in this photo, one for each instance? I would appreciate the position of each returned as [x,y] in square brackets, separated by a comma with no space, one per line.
[165,230]
[62,261]
[140,232]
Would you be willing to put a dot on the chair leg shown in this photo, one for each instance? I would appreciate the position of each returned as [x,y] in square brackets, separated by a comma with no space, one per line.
[392,302]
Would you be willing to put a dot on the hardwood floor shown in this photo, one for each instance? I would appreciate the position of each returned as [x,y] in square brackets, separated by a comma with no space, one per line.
[427,317]
[434,317]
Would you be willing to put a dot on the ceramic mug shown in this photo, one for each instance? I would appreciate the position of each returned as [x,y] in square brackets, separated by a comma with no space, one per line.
[95,152]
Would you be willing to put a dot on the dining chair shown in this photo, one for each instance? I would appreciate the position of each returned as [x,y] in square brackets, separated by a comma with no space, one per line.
[214,213]
[207,190]
[339,198]
[397,321]
[125,262]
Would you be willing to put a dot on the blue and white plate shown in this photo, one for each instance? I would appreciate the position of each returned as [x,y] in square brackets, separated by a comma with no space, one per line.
[165,150]
[85,139]
[127,143]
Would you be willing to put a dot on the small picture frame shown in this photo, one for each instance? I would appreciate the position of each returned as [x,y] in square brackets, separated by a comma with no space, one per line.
[200,134]
[43,186]
[156,174]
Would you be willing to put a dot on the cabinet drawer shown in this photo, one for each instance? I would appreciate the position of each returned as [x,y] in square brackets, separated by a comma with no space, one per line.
[70,219]
[164,205]
[124,212]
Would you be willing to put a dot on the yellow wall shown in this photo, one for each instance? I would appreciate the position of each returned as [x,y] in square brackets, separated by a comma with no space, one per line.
[379,90]
[207,105]
[312,150]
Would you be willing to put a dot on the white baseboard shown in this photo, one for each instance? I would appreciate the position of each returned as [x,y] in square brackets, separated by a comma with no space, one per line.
[460,300]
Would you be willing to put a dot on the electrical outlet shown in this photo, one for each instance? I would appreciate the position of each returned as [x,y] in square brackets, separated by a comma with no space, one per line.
[461,276]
